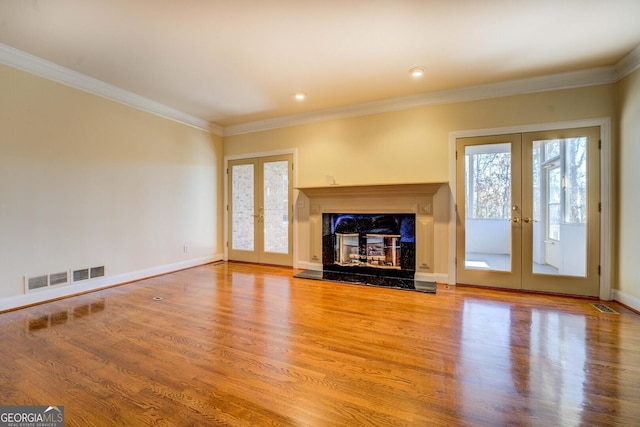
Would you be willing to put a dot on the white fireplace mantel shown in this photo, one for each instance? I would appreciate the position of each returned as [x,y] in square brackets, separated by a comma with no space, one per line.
[373,190]
[373,198]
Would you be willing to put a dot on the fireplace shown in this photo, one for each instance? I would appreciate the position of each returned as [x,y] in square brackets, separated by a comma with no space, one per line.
[376,249]
[379,234]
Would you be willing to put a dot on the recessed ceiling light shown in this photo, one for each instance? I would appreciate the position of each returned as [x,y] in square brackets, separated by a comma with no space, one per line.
[300,95]
[416,72]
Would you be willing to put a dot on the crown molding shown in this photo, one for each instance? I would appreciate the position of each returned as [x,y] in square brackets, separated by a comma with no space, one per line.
[216,129]
[629,63]
[42,68]
[37,66]
[574,79]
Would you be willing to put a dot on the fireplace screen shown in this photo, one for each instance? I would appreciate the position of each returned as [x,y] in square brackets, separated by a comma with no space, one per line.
[347,249]
[382,250]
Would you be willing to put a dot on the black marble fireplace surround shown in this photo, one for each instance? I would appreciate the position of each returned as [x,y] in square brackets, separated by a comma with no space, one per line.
[370,249]
[375,249]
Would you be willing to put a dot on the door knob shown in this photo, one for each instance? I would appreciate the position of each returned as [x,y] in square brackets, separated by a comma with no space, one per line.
[528,220]
[515,219]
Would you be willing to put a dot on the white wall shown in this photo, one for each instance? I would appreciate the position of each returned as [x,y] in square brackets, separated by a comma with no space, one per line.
[488,236]
[538,243]
[628,250]
[85,181]
[573,254]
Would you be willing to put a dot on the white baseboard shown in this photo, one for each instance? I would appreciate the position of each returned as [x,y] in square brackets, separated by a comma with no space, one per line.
[432,277]
[36,297]
[626,299]
[314,266]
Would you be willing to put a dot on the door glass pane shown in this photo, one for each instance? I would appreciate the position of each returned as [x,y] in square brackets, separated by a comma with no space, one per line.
[242,221]
[276,207]
[553,189]
[560,207]
[551,149]
[576,181]
[488,207]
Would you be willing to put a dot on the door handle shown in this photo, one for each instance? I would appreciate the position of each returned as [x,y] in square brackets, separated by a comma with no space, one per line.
[515,219]
[529,220]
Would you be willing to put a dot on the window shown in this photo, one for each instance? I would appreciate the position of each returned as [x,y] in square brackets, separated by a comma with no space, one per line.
[554,191]
[575,182]
[560,183]
[488,181]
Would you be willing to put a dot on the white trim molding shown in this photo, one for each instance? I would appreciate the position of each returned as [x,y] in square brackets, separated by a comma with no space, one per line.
[42,68]
[313,266]
[567,80]
[606,189]
[37,297]
[431,277]
[574,79]
[594,76]
[629,63]
[626,299]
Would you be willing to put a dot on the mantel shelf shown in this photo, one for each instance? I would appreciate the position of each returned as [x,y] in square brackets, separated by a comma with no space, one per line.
[373,190]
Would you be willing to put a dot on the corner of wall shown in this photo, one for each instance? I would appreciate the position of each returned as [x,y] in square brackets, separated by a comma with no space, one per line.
[626,299]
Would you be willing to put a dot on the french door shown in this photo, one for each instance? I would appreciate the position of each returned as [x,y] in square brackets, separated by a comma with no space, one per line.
[260,209]
[528,211]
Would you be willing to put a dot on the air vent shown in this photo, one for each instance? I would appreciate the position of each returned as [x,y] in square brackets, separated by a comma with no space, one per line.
[97,271]
[37,282]
[32,283]
[79,275]
[58,278]
[604,308]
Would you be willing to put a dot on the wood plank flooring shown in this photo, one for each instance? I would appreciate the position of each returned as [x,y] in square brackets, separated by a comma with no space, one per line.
[238,345]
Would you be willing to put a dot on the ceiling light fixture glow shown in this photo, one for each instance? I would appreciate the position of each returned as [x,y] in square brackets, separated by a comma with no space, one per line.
[416,72]
[300,96]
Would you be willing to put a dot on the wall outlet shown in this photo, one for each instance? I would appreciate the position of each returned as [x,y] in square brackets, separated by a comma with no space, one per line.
[186,249]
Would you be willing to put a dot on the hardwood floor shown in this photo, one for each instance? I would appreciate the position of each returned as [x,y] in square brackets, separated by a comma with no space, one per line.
[236,344]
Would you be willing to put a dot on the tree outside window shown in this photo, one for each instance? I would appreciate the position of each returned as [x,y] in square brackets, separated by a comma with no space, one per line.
[488,185]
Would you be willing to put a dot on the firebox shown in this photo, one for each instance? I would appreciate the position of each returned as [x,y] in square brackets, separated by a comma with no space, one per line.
[376,249]
[382,250]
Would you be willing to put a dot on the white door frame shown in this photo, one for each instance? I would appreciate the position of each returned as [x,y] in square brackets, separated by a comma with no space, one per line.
[294,184]
[606,193]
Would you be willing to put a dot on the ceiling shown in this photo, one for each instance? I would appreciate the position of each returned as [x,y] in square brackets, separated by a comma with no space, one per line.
[236,62]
